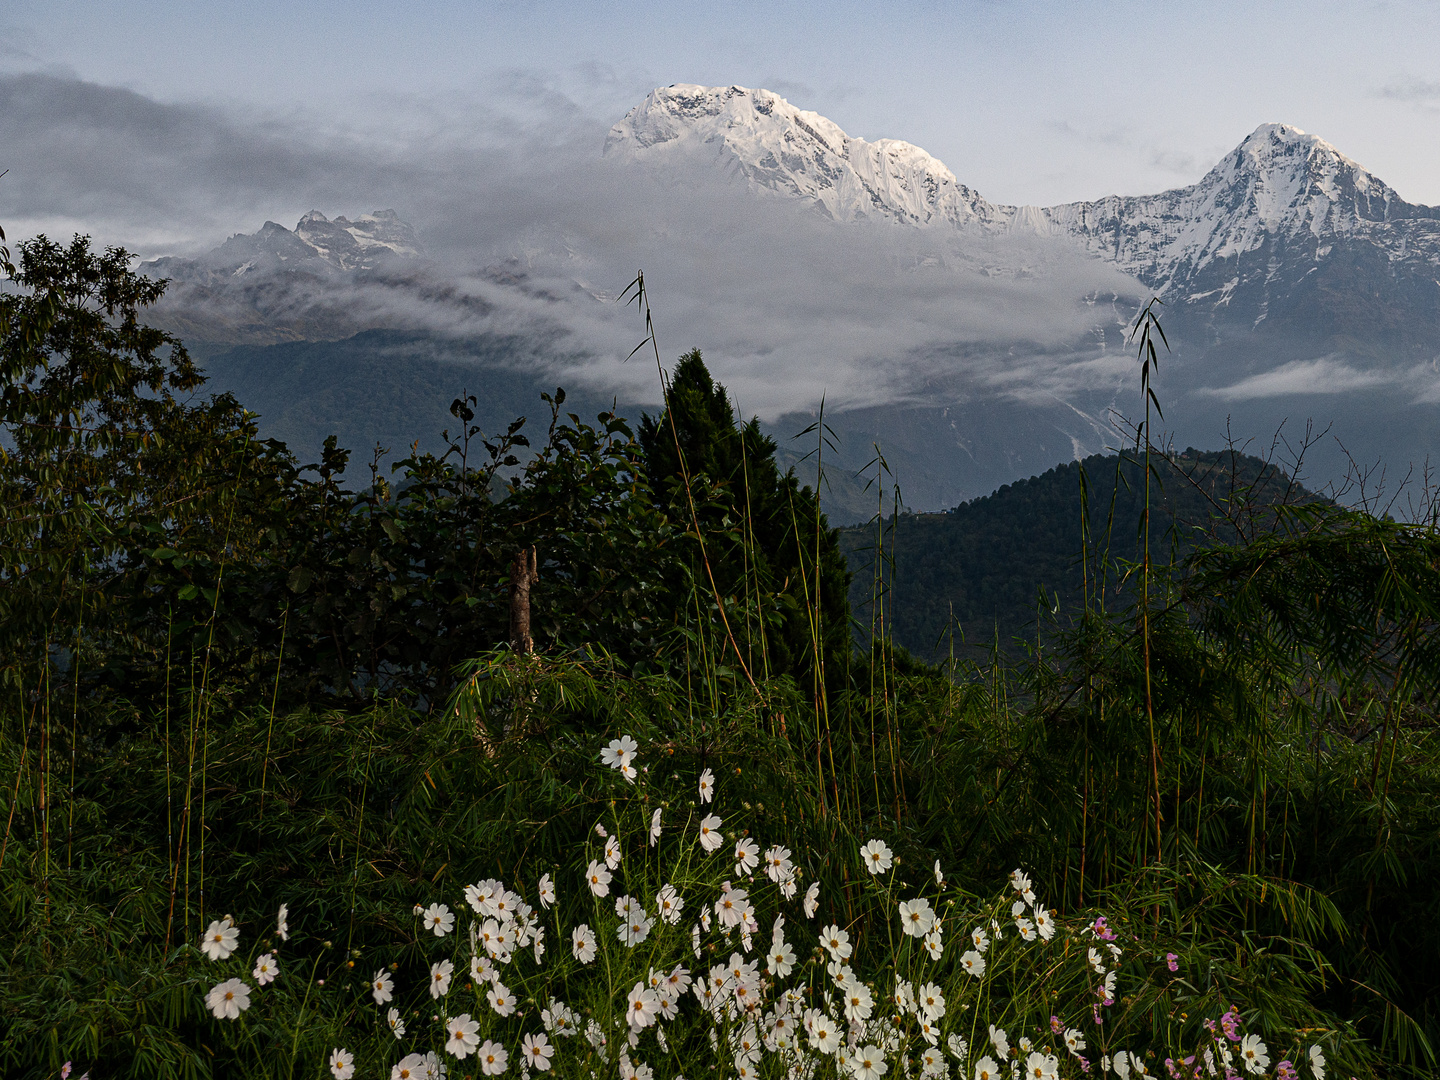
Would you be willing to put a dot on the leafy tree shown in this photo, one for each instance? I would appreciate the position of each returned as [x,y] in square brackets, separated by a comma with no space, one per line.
[103,442]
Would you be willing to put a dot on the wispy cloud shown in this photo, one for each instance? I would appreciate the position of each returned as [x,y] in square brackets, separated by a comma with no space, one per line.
[1324,375]
[1412,90]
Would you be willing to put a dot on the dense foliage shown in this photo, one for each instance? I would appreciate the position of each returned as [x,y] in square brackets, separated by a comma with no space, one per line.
[230,682]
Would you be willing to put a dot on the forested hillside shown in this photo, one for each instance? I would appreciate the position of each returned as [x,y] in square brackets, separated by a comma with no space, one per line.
[989,569]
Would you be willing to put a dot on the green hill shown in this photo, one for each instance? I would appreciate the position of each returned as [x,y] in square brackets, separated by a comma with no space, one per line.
[984,568]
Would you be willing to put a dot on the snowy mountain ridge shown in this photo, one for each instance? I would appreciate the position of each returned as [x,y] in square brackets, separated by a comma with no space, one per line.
[1280,183]
[773,145]
[317,244]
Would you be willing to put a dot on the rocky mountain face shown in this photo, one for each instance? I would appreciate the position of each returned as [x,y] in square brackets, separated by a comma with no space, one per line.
[1284,230]
[773,145]
[282,285]
[317,244]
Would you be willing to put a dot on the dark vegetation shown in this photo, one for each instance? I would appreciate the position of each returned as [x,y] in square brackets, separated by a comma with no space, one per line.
[987,571]
[230,680]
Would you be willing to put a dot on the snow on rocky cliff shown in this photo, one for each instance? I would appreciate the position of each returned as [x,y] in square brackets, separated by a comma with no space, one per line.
[1280,183]
[761,137]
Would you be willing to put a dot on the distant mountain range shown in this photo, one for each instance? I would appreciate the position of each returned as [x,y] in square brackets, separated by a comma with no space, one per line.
[1279,210]
[1296,285]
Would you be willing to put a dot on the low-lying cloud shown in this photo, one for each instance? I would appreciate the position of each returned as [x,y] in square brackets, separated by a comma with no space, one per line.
[1322,375]
[786,304]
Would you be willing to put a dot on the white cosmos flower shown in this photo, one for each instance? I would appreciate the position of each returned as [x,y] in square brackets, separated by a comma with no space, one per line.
[598,878]
[1026,928]
[986,1069]
[957,1047]
[1018,881]
[670,903]
[939,877]
[1317,1062]
[493,1058]
[842,977]
[973,963]
[931,1001]
[730,908]
[220,939]
[476,895]
[536,1051]
[500,998]
[267,969]
[1000,1041]
[789,886]
[612,852]
[859,1003]
[397,1025]
[868,1063]
[980,939]
[1040,1066]
[836,942]
[1044,924]
[781,960]
[547,891]
[904,997]
[439,920]
[877,856]
[440,978]
[1121,1064]
[559,1019]
[778,866]
[747,856]
[655,827]
[916,916]
[537,937]
[410,1067]
[504,904]
[282,923]
[812,899]
[342,1063]
[382,987]
[635,929]
[1096,961]
[824,1035]
[620,752]
[1074,1041]
[707,786]
[227,1000]
[1254,1054]
[695,938]
[641,1007]
[934,945]
[462,1036]
[582,943]
[710,838]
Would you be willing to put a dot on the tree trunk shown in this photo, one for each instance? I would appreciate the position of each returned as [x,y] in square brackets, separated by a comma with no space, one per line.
[523,574]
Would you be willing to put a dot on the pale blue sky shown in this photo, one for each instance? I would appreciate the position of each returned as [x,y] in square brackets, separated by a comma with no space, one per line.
[1028,102]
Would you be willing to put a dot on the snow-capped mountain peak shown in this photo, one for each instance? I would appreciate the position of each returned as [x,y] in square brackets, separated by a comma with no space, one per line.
[1279,185]
[1280,182]
[316,243]
[774,146]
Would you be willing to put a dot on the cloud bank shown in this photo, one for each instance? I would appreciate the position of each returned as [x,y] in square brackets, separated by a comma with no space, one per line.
[531,231]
